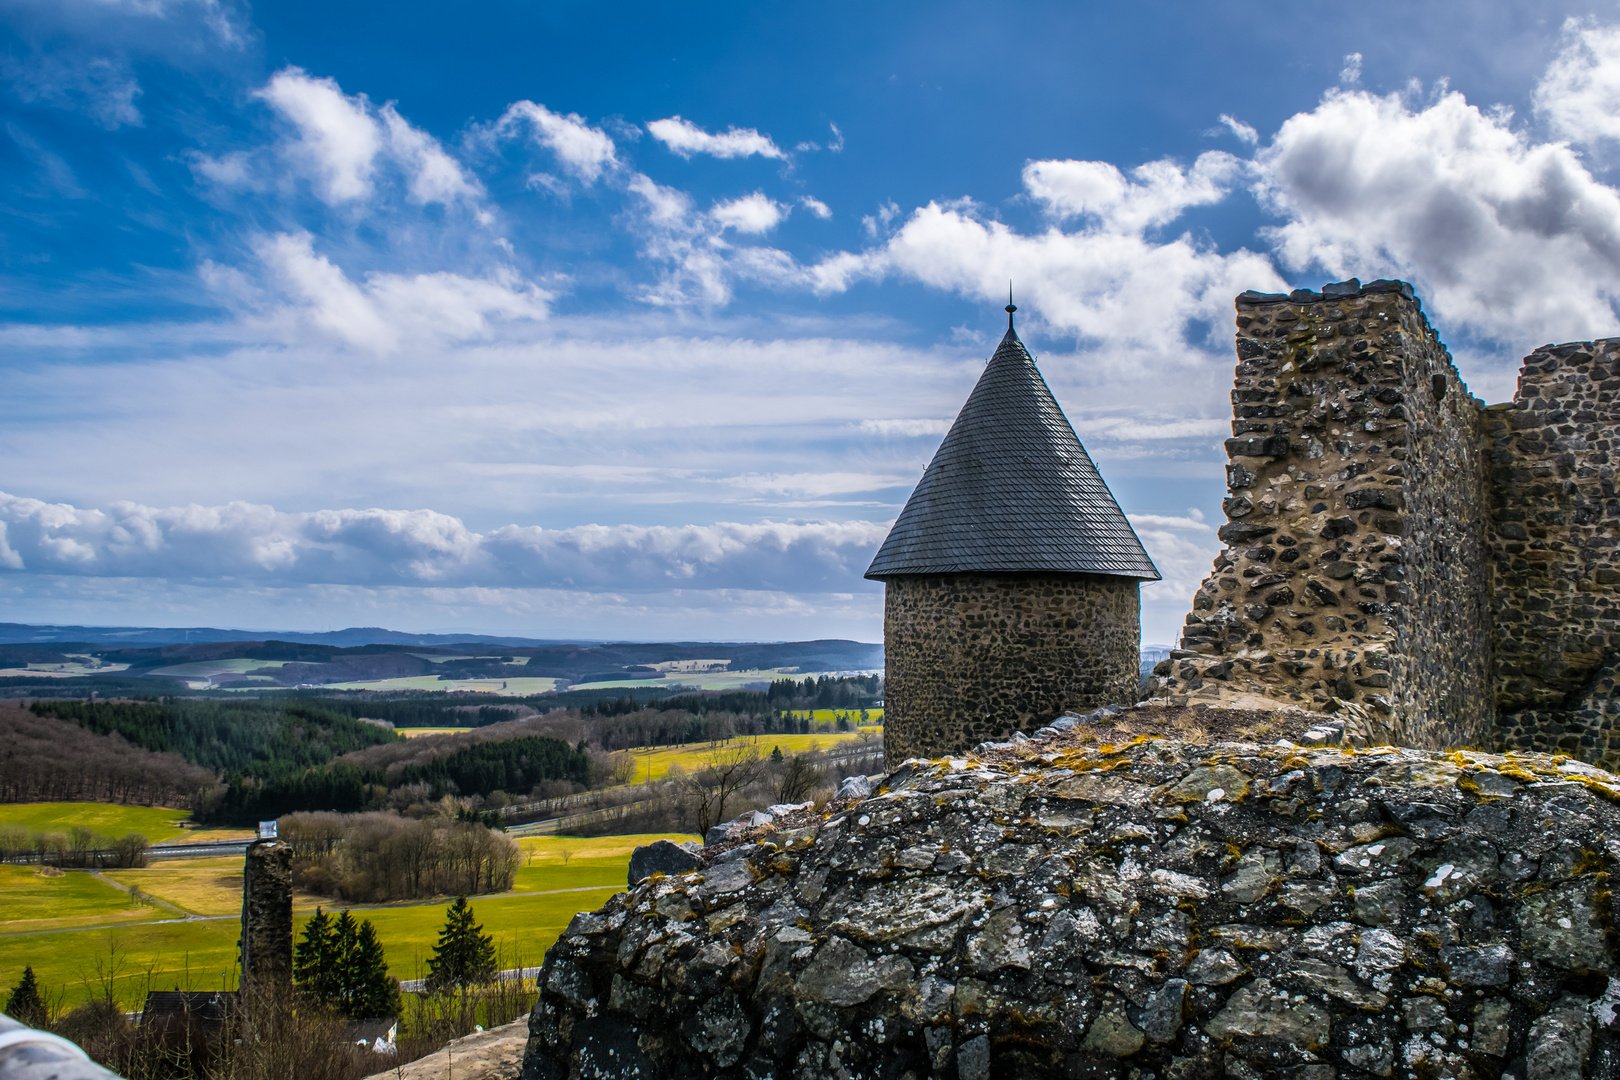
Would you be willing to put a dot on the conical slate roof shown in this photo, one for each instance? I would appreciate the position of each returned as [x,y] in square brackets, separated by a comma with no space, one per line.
[1011,489]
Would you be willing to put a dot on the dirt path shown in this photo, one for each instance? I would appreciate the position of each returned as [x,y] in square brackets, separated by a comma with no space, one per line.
[496,1054]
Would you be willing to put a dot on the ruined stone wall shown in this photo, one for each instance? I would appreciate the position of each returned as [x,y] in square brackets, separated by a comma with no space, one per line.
[266,946]
[974,657]
[1556,521]
[1356,565]
[1164,909]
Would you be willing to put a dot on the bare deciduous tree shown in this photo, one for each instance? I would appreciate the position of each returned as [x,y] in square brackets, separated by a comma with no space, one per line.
[796,778]
[726,770]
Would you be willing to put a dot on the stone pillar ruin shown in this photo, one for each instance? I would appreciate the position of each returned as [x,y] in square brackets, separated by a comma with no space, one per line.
[1448,570]
[267,930]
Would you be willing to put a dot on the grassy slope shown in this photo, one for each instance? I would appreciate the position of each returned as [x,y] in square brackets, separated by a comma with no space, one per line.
[199,953]
[156,823]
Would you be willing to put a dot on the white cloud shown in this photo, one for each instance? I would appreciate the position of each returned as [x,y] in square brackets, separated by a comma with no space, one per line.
[1245,132]
[1350,74]
[1135,428]
[585,151]
[686,138]
[906,428]
[1156,194]
[435,177]
[243,541]
[1101,282]
[1514,239]
[749,214]
[1579,94]
[816,207]
[388,309]
[338,138]
[341,139]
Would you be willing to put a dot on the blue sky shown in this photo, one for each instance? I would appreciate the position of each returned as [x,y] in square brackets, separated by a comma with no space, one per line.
[641,320]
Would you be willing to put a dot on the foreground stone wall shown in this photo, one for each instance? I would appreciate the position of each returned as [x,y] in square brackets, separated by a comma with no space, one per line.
[1356,566]
[973,657]
[1189,912]
[1556,529]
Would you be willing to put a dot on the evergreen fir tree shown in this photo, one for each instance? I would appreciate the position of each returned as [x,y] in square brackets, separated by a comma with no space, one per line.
[26,1003]
[465,955]
[376,993]
[315,958]
[345,950]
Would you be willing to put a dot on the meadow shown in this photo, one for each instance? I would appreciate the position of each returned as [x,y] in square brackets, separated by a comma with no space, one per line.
[655,762]
[158,824]
[80,932]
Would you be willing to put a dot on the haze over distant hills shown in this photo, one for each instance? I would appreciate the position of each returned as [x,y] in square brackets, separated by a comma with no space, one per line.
[26,634]
[112,659]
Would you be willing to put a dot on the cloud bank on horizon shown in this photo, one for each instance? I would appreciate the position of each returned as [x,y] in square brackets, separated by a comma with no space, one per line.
[657,374]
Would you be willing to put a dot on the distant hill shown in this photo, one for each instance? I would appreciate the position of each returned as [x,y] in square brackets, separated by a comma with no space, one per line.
[25,634]
[75,660]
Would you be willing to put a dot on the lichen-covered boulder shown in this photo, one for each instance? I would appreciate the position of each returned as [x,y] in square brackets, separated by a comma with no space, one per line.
[1158,910]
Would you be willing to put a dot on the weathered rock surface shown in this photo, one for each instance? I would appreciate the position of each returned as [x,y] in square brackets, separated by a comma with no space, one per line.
[662,857]
[1160,910]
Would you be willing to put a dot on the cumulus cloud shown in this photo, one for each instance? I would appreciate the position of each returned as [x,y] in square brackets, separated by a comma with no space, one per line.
[1154,194]
[686,138]
[585,151]
[384,310]
[1579,94]
[816,206]
[1105,281]
[1514,238]
[341,140]
[750,214]
[241,541]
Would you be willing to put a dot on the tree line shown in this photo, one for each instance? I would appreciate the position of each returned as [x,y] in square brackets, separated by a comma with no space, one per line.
[78,848]
[513,764]
[247,737]
[45,759]
[377,857]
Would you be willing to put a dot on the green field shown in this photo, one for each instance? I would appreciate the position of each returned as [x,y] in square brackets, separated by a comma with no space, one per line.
[653,763]
[516,685]
[208,669]
[154,952]
[156,823]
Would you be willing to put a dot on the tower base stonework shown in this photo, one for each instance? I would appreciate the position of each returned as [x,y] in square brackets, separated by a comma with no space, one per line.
[972,657]
[267,930]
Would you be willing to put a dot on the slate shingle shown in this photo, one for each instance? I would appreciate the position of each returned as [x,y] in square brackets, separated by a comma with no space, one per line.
[1011,489]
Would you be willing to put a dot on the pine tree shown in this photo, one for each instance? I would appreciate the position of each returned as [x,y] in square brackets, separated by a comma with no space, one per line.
[315,958]
[376,993]
[345,950]
[26,1004]
[465,955]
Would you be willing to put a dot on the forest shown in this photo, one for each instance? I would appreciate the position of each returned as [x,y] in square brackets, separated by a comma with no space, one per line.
[242,761]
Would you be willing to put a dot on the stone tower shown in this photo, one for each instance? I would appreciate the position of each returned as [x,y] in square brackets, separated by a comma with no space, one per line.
[1011,578]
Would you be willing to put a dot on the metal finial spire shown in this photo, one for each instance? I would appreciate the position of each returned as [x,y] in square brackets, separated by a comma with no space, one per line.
[1011,307]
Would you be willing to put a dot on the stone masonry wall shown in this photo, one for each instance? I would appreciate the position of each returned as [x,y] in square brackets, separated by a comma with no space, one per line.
[1153,909]
[975,657]
[1555,544]
[1356,565]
